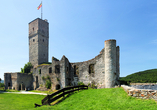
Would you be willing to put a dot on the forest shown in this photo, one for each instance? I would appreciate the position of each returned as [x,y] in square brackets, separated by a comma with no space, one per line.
[147,76]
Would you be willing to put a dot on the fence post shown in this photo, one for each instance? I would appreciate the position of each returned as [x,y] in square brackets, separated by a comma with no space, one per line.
[63,93]
[48,99]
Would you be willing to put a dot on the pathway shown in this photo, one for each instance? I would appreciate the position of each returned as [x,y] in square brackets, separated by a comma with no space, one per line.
[25,92]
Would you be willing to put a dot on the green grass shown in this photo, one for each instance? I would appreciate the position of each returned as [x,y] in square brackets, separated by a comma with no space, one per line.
[92,99]
[19,101]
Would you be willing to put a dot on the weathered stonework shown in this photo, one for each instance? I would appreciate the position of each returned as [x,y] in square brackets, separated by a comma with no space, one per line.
[140,93]
[18,81]
[102,71]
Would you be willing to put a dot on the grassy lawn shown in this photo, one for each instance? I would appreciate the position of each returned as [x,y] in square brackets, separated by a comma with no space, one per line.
[19,101]
[93,99]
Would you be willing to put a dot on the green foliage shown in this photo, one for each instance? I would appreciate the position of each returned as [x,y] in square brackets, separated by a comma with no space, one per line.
[147,76]
[80,83]
[48,84]
[58,79]
[43,78]
[41,85]
[27,68]
[92,85]
[48,77]
[1,85]
[39,71]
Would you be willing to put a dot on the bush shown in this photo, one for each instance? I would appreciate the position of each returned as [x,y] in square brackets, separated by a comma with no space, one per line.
[80,83]
[48,84]
[1,84]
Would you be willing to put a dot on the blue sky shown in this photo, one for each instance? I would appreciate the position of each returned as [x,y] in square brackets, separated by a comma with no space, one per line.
[78,29]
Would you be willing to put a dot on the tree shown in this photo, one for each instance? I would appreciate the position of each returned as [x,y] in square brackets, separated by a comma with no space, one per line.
[27,68]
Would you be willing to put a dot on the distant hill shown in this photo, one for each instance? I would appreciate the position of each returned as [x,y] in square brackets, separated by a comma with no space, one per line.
[147,76]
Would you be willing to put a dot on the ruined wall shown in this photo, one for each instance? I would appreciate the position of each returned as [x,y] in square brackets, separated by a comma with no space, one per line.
[86,76]
[26,80]
[140,93]
[10,80]
[14,80]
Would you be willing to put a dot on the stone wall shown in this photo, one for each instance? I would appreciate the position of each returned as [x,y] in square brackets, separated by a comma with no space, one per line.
[140,93]
[14,81]
[97,76]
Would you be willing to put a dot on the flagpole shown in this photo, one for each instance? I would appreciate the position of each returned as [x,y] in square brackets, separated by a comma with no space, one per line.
[41,9]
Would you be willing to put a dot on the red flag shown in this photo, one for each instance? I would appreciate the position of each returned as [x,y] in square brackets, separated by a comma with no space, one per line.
[39,6]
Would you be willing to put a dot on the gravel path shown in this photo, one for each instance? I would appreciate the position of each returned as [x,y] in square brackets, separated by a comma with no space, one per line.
[25,92]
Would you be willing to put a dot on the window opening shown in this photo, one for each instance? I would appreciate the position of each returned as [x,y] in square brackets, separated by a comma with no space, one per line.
[57,69]
[91,68]
[50,70]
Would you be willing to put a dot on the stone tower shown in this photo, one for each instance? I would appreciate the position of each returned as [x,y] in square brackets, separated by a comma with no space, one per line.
[38,41]
[111,63]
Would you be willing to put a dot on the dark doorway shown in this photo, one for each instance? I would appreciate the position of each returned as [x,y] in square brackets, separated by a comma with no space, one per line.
[23,86]
[57,87]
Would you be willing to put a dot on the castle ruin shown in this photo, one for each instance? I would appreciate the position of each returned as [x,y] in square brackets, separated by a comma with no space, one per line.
[102,71]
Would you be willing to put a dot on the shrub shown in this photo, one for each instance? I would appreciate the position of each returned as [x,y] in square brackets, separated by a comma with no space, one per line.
[48,77]
[80,83]
[1,84]
[48,84]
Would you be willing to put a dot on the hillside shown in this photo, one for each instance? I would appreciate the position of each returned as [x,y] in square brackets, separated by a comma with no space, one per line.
[147,76]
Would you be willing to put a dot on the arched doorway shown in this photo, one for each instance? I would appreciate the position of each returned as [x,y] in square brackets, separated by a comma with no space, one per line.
[21,86]
[57,87]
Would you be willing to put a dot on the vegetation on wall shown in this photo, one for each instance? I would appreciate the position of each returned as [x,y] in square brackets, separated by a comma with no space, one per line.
[39,71]
[48,81]
[147,76]
[48,84]
[27,68]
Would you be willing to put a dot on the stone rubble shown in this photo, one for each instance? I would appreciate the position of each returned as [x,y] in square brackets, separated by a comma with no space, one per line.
[140,93]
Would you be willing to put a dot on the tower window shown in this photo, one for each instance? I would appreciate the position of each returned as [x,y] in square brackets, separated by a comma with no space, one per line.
[33,28]
[33,40]
[43,40]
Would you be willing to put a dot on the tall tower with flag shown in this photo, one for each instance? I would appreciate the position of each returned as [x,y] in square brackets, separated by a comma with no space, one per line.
[38,41]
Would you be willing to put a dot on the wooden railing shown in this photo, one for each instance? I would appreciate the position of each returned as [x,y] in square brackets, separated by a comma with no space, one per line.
[61,93]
